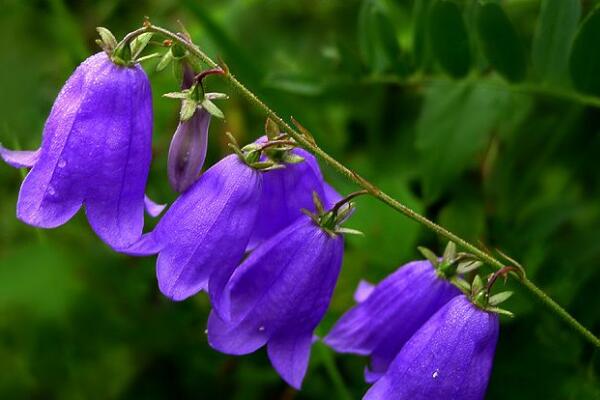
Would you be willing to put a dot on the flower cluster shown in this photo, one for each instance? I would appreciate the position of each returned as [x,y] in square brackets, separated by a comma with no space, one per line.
[260,231]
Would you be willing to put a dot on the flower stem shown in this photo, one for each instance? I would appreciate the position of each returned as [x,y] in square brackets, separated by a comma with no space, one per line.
[304,139]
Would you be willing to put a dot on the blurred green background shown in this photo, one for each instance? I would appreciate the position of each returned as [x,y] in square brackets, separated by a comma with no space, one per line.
[484,117]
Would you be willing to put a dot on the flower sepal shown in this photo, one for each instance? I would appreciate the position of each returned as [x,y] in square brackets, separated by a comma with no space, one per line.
[331,220]
[480,295]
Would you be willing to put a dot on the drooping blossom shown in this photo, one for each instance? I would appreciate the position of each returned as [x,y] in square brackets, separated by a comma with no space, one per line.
[449,358]
[96,152]
[203,235]
[389,313]
[287,191]
[278,296]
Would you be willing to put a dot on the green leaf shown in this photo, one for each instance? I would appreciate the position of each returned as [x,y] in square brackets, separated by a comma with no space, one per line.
[554,34]
[584,63]
[455,123]
[377,39]
[449,38]
[421,42]
[501,45]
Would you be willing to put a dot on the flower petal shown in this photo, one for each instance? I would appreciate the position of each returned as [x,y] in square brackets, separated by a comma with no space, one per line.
[207,229]
[19,159]
[115,201]
[145,246]
[152,208]
[282,289]
[239,339]
[50,195]
[380,325]
[289,355]
[450,357]
[363,291]
[285,193]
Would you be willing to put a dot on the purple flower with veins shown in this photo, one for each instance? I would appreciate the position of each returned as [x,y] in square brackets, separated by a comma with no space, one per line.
[450,357]
[286,192]
[96,151]
[278,296]
[188,150]
[388,314]
[203,236]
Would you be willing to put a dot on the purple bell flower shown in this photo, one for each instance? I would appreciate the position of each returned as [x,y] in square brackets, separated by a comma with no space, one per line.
[203,236]
[388,314]
[96,151]
[450,357]
[286,192]
[188,150]
[278,296]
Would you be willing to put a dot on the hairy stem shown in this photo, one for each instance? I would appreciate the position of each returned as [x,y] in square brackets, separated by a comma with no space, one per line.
[305,140]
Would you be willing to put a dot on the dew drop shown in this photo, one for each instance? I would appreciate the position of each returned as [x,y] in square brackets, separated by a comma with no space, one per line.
[206,331]
[51,191]
[261,328]
[62,163]
[436,373]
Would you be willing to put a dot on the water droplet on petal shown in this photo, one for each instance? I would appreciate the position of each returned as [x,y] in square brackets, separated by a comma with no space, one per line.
[436,373]
[51,191]
[206,331]
[261,328]
[62,163]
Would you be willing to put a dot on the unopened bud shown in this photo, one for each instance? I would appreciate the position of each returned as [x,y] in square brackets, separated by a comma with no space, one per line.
[188,150]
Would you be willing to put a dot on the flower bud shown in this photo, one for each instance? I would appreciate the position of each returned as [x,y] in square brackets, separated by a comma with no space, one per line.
[188,150]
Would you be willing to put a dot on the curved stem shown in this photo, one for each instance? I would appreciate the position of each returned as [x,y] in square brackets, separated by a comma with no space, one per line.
[306,141]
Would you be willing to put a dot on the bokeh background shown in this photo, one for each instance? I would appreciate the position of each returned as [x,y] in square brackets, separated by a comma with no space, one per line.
[484,117]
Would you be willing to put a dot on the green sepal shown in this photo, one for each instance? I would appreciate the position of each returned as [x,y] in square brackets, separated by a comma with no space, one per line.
[271,129]
[349,231]
[165,61]
[138,44]
[148,57]
[429,255]
[449,253]
[477,285]
[291,158]
[212,108]
[499,298]
[501,311]
[216,96]
[176,95]
[107,40]
[188,108]
[467,266]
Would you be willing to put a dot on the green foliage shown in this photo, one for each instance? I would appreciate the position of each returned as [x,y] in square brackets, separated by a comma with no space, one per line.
[512,162]
[449,38]
[500,42]
[584,61]
[554,33]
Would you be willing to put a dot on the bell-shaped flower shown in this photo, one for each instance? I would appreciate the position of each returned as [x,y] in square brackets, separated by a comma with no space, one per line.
[286,192]
[278,296]
[206,230]
[389,313]
[188,150]
[450,357]
[96,152]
